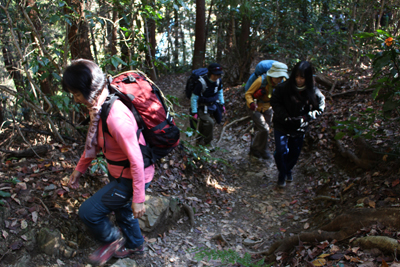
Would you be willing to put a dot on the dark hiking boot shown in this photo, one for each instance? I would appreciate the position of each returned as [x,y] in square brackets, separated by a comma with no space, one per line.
[281,181]
[289,177]
[255,153]
[124,252]
[101,255]
[266,155]
[281,184]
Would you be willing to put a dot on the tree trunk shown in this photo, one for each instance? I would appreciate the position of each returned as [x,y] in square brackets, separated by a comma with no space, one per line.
[200,34]
[175,52]
[151,53]
[380,14]
[44,83]
[206,30]
[78,33]
[220,38]
[246,56]
[114,36]
[350,33]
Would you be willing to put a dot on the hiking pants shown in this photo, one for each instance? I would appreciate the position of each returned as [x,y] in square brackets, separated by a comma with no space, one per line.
[206,125]
[117,197]
[262,121]
[287,152]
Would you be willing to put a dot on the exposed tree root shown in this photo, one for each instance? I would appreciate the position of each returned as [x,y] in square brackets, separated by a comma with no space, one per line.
[342,227]
[189,212]
[383,243]
[28,153]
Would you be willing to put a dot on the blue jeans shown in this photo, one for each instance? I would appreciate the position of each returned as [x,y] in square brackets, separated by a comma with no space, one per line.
[115,196]
[287,152]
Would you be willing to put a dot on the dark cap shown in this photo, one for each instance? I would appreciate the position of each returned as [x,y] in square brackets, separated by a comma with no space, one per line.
[215,68]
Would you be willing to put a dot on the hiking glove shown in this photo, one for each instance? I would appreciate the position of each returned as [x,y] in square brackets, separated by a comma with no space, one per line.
[258,94]
[253,106]
[195,116]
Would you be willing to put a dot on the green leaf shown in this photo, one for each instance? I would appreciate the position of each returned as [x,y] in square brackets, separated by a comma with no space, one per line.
[4,194]
[54,18]
[55,75]
[339,135]
[364,35]
[94,168]
[103,168]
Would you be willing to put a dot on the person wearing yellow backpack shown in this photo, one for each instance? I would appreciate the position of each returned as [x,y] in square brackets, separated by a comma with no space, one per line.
[257,99]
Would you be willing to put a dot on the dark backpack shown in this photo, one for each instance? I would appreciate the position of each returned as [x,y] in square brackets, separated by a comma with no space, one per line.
[147,104]
[196,76]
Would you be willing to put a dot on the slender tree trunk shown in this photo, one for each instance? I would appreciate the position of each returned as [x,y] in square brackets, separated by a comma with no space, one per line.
[380,14]
[44,83]
[350,32]
[244,49]
[176,39]
[200,34]
[182,35]
[114,36]
[149,55]
[220,40]
[78,37]
[207,28]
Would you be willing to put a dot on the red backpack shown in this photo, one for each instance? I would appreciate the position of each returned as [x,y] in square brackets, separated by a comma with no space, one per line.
[146,101]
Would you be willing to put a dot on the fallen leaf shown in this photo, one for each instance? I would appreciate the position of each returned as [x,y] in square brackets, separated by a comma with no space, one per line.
[24,237]
[371,204]
[34,216]
[319,262]
[293,202]
[86,195]
[24,224]
[16,199]
[152,240]
[282,230]
[384,264]
[5,234]
[16,245]
[395,182]
[306,225]
[348,187]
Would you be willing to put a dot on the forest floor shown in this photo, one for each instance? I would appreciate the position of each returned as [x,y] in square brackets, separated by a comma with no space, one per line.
[237,205]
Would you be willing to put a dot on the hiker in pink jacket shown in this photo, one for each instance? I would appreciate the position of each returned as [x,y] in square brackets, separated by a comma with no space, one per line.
[125,194]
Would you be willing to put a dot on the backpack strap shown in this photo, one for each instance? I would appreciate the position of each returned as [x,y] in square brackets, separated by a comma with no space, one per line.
[203,83]
[264,80]
[147,153]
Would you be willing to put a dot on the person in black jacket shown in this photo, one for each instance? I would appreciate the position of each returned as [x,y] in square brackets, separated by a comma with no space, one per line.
[207,102]
[294,102]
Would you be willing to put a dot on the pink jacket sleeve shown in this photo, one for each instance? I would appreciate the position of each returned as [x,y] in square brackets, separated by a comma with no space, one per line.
[83,163]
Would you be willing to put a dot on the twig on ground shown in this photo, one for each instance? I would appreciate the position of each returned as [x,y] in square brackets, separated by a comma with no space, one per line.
[44,205]
[229,124]
[326,198]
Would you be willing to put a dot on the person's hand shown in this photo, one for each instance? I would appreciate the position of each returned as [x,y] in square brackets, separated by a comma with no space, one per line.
[296,122]
[138,209]
[74,179]
[253,106]
[259,93]
[195,116]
